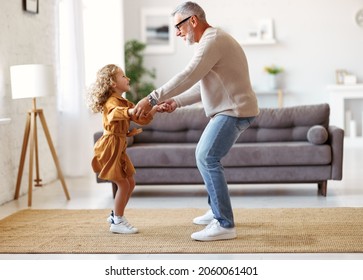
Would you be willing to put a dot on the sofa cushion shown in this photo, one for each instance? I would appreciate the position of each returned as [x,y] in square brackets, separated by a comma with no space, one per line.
[243,154]
[98,134]
[286,124]
[186,125]
[162,155]
[317,134]
[304,115]
[278,154]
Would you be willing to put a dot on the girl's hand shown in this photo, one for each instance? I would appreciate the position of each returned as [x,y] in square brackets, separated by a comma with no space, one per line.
[161,108]
[167,106]
[130,111]
[142,108]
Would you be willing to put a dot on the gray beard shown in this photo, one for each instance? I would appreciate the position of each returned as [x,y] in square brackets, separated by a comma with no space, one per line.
[190,37]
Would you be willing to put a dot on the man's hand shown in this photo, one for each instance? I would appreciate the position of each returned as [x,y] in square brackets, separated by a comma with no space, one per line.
[142,108]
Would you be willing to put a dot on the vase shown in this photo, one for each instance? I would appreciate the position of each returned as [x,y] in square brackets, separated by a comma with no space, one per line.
[273,84]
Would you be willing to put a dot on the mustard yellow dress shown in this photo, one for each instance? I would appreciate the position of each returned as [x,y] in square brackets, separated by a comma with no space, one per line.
[110,160]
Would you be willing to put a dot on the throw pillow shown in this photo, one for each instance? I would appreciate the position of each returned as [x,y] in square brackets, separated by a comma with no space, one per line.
[317,134]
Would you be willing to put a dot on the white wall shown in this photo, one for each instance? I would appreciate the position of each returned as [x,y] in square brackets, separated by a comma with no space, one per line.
[25,39]
[314,39]
[103,38]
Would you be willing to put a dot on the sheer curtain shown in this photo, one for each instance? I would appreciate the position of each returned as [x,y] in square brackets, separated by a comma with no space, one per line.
[74,151]
[91,36]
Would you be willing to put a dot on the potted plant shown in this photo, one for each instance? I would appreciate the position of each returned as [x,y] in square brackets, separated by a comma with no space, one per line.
[273,69]
[140,77]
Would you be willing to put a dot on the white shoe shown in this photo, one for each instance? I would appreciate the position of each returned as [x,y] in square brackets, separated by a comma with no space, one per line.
[213,232]
[123,227]
[110,218]
[205,219]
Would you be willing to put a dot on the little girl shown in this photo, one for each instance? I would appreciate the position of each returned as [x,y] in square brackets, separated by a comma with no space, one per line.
[110,159]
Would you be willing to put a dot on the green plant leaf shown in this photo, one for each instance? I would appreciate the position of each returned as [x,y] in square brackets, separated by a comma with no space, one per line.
[141,78]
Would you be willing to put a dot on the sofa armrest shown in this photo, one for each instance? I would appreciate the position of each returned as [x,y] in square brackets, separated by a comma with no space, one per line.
[130,141]
[336,140]
[97,135]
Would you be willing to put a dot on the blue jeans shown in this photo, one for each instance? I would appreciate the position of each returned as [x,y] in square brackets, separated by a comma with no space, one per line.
[217,139]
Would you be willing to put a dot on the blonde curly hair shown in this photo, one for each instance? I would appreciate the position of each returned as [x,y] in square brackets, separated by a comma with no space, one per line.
[100,91]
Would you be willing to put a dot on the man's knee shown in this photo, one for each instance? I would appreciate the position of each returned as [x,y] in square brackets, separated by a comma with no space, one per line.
[207,161]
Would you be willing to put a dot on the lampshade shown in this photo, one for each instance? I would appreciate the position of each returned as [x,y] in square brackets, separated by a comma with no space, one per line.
[32,80]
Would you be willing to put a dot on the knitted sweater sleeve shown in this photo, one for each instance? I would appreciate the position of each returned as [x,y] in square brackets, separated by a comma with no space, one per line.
[205,57]
[189,97]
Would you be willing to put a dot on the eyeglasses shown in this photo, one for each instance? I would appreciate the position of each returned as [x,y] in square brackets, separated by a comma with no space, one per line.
[177,26]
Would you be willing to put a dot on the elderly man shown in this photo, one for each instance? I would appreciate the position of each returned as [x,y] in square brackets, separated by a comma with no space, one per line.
[218,76]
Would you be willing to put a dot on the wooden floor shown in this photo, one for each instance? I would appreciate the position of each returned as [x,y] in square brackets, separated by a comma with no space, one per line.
[87,194]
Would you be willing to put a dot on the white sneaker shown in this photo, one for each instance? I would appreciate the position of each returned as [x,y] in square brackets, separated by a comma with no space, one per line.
[205,219]
[213,232]
[123,227]
[110,218]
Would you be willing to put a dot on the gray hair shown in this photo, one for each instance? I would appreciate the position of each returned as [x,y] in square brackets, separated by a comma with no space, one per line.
[190,9]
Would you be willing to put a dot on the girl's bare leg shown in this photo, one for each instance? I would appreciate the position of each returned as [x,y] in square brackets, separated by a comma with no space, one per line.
[132,186]
[124,191]
[122,196]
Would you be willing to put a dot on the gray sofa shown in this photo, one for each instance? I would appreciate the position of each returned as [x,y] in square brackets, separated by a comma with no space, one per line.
[285,145]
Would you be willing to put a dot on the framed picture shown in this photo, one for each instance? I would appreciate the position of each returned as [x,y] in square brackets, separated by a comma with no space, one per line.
[266,29]
[157,30]
[31,6]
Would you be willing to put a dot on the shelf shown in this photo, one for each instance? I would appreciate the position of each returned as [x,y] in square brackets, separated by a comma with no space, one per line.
[277,92]
[5,120]
[354,142]
[339,97]
[345,87]
[267,91]
[258,42]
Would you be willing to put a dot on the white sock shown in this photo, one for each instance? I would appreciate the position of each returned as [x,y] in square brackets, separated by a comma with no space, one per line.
[118,219]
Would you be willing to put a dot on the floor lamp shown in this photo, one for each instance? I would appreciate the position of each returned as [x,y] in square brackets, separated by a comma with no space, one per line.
[32,81]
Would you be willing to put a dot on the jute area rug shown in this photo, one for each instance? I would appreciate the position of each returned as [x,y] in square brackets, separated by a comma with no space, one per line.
[312,230]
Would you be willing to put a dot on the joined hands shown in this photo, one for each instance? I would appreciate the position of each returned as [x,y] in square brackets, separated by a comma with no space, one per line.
[143,107]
